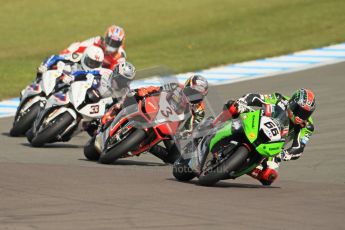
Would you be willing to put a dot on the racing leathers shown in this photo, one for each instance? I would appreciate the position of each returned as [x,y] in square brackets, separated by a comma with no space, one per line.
[110,59]
[266,173]
[72,56]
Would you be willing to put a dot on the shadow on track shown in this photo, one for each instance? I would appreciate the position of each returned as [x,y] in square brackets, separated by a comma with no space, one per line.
[132,162]
[55,145]
[7,134]
[223,184]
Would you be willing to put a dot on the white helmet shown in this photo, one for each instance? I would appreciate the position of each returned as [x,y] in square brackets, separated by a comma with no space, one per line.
[122,75]
[92,58]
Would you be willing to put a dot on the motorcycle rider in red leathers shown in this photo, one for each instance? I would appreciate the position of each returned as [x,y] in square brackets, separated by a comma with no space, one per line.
[195,89]
[299,108]
[112,45]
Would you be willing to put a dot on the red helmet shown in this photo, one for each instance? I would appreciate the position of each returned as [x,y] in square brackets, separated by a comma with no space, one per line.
[113,39]
[301,106]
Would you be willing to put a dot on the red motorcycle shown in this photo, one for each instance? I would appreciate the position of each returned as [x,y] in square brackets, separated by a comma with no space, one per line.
[139,126]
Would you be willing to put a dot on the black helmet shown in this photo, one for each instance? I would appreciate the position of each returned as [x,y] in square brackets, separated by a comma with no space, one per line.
[195,88]
[301,106]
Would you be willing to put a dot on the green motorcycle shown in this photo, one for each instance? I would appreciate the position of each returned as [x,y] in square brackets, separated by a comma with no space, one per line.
[235,147]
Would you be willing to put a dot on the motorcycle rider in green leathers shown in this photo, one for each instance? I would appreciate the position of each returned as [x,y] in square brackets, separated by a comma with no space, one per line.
[299,109]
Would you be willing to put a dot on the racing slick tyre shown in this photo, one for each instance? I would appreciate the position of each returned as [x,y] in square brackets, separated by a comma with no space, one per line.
[109,156]
[210,177]
[168,157]
[30,135]
[52,130]
[24,120]
[173,155]
[90,151]
[182,171]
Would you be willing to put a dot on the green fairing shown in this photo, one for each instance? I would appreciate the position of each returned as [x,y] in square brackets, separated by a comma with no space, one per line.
[272,99]
[222,133]
[250,122]
[270,149]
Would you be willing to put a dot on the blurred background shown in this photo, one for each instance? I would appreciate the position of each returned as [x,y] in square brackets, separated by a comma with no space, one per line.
[183,35]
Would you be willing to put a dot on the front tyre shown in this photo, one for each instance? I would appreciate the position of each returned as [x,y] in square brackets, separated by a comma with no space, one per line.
[90,151]
[238,158]
[24,120]
[50,132]
[131,141]
[182,171]
[30,135]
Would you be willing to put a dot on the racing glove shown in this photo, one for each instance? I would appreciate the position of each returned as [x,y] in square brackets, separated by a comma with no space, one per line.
[67,79]
[237,107]
[286,156]
[42,68]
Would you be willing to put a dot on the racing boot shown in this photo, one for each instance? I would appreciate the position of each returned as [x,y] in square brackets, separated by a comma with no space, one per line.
[265,175]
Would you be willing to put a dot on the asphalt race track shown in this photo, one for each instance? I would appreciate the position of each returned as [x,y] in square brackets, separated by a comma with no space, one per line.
[56,188]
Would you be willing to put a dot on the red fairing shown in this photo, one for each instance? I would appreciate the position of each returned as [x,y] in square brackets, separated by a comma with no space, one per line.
[116,127]
[148,112]
[168,129]
[152,106]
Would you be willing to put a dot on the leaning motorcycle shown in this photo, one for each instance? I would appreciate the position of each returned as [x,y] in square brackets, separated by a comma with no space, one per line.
[250,138]
[66,111]
[33,99]
[139,126]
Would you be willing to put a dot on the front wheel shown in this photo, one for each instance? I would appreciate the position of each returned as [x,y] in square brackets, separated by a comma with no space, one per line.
[90,151]
[131,141]
[51,131]
[30,135]
[182,171]
[24,120]
[236,160]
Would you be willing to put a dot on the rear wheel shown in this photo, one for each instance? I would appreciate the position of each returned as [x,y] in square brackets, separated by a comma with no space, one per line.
[182,171]
[131,141]
[24,120]
[236,160]
[90,151]
[52,130]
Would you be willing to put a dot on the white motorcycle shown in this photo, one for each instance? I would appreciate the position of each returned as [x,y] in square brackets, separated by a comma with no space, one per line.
[33,99]
[66,112]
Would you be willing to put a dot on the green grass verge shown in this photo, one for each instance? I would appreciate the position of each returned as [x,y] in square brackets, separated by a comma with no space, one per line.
[184,35]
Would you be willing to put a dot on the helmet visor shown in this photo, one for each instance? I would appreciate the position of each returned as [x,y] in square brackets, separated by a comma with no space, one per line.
[92,63]
[193,95]
[112,43]
[298,111]
[119,82]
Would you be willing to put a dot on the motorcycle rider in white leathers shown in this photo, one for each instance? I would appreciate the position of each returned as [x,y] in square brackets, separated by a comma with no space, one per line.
[107,83]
